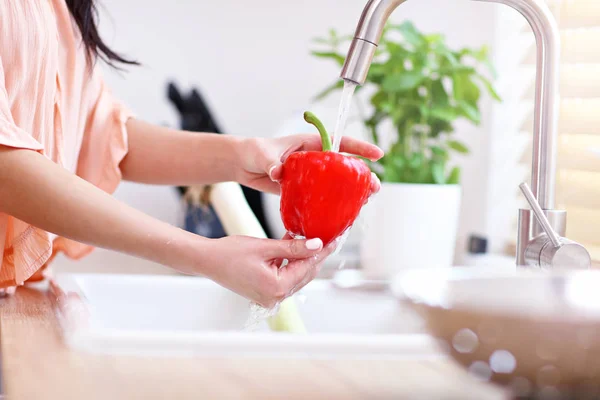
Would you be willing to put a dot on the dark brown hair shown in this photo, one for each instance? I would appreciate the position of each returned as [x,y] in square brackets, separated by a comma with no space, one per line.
[85,14]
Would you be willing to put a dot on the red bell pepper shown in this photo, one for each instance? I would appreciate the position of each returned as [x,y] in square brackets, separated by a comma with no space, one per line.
[322,192]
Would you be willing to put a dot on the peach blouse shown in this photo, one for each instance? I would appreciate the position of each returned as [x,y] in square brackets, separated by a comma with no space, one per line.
[51,102]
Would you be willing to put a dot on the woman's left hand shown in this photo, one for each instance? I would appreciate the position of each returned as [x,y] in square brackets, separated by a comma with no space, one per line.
[261,158]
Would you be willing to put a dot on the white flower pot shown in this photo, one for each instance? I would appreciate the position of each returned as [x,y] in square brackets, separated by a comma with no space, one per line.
[409,226]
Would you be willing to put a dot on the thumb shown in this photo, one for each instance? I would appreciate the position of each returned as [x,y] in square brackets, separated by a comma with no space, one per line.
[275,172]
[295,249]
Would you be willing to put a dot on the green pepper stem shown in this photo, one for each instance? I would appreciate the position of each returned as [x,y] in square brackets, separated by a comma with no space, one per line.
[325,139]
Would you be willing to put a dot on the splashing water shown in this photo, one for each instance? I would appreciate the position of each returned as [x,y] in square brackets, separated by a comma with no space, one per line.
[259,314]
[341,241]
[340,126]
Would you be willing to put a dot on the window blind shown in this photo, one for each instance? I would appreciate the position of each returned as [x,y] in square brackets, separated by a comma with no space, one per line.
[578,165]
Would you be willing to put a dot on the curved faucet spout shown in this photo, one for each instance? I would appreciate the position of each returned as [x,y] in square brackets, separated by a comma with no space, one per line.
[545,131]
[366,38]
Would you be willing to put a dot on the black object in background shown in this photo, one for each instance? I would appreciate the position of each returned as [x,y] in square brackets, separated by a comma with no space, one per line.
[477,244]
[196,117]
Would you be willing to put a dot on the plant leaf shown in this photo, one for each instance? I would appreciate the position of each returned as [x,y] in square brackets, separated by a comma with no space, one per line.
[439,96]
[401,82]
[415,161]
[438,126]
[447,113]
[437,171]
[458,146]
[489,87]
[450,57]
[454,176]
[392,174]
[458,68]
[424,174]
[321,40]
[398,161]
[438,151]
[376,74]
[464,88]
[410,33]
[470,112]
[338,58]
[434,38]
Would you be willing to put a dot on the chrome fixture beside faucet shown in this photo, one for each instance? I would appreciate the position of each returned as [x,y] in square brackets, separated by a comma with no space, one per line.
[540,242]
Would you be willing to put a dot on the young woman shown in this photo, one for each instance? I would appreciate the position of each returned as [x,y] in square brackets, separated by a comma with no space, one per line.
[66,143]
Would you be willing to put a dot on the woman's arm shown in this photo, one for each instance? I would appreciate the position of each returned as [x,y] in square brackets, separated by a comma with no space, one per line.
[41,193]
[159,155]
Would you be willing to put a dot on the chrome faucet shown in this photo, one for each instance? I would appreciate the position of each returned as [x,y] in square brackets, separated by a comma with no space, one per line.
[540,242]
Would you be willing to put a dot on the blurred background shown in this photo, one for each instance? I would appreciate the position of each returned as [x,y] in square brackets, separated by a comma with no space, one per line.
[252,64]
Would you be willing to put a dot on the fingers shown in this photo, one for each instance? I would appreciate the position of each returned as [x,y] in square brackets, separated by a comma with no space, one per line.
[312,142]
[375,183]
[264,184]
[293,249]
[299,273]
[276,172]
[279,261]
[360,148]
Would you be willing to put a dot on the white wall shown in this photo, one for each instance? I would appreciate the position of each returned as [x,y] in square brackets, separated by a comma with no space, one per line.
[252,62]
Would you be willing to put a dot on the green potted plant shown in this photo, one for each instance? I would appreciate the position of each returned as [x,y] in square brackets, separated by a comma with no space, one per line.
[420,87]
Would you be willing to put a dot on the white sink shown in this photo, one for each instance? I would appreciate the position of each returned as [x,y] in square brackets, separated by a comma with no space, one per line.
[180,315]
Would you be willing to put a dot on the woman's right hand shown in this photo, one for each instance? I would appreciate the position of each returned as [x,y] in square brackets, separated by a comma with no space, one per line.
[250,266]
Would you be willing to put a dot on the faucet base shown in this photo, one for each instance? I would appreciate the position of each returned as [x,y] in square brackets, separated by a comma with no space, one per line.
[529,228]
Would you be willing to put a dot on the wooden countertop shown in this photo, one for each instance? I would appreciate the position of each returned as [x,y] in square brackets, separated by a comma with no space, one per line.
[36,365]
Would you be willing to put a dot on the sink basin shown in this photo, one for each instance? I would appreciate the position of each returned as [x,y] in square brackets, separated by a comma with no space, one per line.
[180,315]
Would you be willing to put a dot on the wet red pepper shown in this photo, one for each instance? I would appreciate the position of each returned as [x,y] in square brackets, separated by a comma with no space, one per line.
[322,192]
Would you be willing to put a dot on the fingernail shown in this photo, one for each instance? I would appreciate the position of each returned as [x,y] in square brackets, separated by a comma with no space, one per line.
[314,244]
[375,177]
[271,172]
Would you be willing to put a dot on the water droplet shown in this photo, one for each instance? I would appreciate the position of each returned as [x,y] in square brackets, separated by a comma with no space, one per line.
[465,341]
[258,314]
[503,362]
[480,370]
[521,387]
[340,241]
[548,375]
